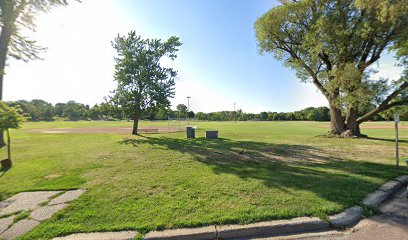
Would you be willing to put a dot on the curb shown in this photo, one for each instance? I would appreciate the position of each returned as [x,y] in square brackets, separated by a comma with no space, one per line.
[209,232]
[261,229]
[374,199]
[272,228]
[346,219]
[351,216]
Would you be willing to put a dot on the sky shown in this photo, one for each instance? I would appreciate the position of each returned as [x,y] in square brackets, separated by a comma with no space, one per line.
[218,64]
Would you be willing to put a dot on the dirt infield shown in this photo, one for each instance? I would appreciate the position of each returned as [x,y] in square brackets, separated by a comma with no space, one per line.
[381,127]
[115,130]
[369,126]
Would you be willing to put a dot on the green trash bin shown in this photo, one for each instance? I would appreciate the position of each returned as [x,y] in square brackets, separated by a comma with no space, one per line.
[190,132]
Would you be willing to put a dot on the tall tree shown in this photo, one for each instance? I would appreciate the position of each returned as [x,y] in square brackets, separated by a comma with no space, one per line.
[332,44]
[141,80]
[15,17]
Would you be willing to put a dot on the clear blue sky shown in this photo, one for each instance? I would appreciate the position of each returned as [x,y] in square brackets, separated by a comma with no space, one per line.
[218,63]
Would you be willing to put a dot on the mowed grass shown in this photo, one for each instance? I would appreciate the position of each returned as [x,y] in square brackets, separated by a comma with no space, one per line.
[158,181]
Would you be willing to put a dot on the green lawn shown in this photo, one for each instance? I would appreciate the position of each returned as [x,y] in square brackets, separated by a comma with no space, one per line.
[161,181]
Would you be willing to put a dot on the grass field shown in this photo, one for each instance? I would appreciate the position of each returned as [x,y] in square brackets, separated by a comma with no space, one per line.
[161,181]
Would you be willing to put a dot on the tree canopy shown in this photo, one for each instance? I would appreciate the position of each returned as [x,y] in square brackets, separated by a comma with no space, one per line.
[333,44]
[142,82]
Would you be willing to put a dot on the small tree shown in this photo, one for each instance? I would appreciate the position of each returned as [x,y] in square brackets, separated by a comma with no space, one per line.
[182,110]
[141,81]
[10,117]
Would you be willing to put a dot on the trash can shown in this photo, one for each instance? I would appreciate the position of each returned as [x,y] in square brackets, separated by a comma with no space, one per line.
[212,134]
[190,132]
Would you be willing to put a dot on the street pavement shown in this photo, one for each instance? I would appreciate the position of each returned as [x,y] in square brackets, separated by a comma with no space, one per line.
[390,224]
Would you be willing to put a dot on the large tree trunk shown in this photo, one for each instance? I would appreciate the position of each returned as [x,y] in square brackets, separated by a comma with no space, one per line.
[5,37]
[353,127]
[337,126]
[135,124]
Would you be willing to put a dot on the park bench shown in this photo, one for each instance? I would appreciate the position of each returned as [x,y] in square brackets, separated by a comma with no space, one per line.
[149,130]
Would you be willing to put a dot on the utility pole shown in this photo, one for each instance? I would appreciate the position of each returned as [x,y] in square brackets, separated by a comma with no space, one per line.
[188,108]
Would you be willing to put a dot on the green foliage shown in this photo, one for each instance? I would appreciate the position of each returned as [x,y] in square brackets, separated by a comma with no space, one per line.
[142,82]
[38,110]
[182,110]
[308,114]
[334,43]
[21,216]
[74,111]
[401,110]
[11,117]
[263,115]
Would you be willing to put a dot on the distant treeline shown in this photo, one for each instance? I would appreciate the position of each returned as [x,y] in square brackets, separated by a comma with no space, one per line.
[307,114]
[40,110]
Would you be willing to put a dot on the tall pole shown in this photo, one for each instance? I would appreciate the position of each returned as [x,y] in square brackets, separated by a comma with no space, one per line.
[396,121]
[235,112]
[396,144]
[188,108]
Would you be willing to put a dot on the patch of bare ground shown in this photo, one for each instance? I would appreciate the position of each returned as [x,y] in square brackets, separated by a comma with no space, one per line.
[369,126]
[107,130]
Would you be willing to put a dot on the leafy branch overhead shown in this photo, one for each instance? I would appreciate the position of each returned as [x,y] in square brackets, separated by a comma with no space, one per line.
[17,16]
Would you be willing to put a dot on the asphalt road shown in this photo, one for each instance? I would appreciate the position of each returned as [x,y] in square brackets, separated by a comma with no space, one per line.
[391,224]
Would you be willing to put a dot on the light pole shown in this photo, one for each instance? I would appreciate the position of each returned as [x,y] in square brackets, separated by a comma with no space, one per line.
[188,108]
[235,113]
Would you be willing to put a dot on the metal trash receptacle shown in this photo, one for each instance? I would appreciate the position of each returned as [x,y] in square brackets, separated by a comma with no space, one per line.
[212,134]
[190,132]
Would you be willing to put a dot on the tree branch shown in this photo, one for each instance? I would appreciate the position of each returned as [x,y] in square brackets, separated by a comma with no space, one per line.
[378,49]
[384,105]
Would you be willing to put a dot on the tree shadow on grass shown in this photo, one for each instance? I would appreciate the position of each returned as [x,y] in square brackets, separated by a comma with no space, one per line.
[387,139]
[4,170]
[283,166]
